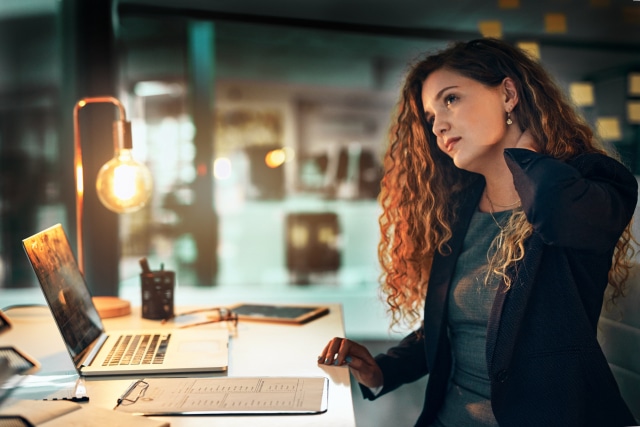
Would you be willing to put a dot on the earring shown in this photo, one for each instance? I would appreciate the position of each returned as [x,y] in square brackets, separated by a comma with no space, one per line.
[509,121]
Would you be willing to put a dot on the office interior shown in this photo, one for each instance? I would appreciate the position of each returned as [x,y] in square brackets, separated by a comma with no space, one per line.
[263,125]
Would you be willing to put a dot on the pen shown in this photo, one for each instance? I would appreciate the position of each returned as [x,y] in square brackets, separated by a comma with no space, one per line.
[184,313]
[145,265]
[127,391]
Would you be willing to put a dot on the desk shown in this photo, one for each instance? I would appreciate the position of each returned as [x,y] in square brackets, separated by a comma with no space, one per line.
[260,349]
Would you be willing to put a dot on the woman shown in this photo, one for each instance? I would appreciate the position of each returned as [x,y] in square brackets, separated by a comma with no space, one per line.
[503,222]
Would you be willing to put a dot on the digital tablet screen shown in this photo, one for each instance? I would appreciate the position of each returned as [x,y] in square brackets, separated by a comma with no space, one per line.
[296,314]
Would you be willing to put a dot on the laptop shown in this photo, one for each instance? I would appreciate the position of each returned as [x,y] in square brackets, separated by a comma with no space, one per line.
[97,352]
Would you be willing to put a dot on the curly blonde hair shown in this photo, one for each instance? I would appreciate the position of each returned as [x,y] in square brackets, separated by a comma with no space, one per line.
[420,185]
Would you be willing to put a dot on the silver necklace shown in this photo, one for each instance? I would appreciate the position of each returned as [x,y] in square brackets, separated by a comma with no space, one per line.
[500,206]
[491,212]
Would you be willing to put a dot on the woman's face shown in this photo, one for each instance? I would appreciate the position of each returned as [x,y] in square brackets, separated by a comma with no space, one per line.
[468,119]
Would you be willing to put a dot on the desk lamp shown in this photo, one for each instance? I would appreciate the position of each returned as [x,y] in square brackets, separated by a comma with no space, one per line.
[123,184]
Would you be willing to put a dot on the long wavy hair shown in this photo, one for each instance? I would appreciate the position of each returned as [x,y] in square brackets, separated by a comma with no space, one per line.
[421,184]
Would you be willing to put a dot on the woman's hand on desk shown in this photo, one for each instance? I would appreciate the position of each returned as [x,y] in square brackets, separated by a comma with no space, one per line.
[341,351]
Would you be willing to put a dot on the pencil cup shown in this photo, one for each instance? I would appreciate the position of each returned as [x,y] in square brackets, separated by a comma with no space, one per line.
[157,294]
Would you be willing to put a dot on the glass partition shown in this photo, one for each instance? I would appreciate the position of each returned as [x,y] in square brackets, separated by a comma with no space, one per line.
[299,119]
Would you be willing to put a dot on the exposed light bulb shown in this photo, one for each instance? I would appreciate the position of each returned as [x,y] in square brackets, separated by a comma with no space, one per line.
[275,158]
[124,184]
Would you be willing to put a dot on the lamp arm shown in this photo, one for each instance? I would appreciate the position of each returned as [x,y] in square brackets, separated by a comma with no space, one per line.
[77,163]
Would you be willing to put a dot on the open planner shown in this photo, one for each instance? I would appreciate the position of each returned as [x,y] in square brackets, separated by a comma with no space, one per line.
[225,396]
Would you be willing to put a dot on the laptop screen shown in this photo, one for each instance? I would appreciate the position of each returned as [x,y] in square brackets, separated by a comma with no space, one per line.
[64,288]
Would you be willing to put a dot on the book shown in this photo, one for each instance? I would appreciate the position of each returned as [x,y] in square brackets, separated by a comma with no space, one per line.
[61,413]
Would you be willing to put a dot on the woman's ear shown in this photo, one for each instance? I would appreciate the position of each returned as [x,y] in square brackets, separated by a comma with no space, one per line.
[510,93]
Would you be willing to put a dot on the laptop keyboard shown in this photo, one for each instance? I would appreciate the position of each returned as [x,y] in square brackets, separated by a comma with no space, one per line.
[143,349]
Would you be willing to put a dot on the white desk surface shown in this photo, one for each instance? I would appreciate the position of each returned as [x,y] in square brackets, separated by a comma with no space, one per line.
[260,349]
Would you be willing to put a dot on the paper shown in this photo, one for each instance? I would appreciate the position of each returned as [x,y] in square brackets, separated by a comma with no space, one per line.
[198,396]
[38,413]
[68,414]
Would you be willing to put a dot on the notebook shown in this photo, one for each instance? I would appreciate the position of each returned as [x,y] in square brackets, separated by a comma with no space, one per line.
[97,352]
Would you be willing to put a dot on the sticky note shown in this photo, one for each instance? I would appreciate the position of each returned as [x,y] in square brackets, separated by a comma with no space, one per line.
[490,28]
[582,94]
[633,112]
[555,23]
[532,48]
[609,128]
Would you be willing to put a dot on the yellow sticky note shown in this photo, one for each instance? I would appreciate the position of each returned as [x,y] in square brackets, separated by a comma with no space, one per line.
[609,128]
[532,48]
[633,112]
[582,94]
[555,23]
[490,29]
[508,4]
[634,84]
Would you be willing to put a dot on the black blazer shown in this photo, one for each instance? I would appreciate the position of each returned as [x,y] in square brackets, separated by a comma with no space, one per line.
[545,364]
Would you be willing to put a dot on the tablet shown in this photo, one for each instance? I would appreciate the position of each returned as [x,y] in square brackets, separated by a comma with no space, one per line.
[293,314]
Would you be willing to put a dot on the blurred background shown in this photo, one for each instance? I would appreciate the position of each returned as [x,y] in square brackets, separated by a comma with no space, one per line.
[263,124]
